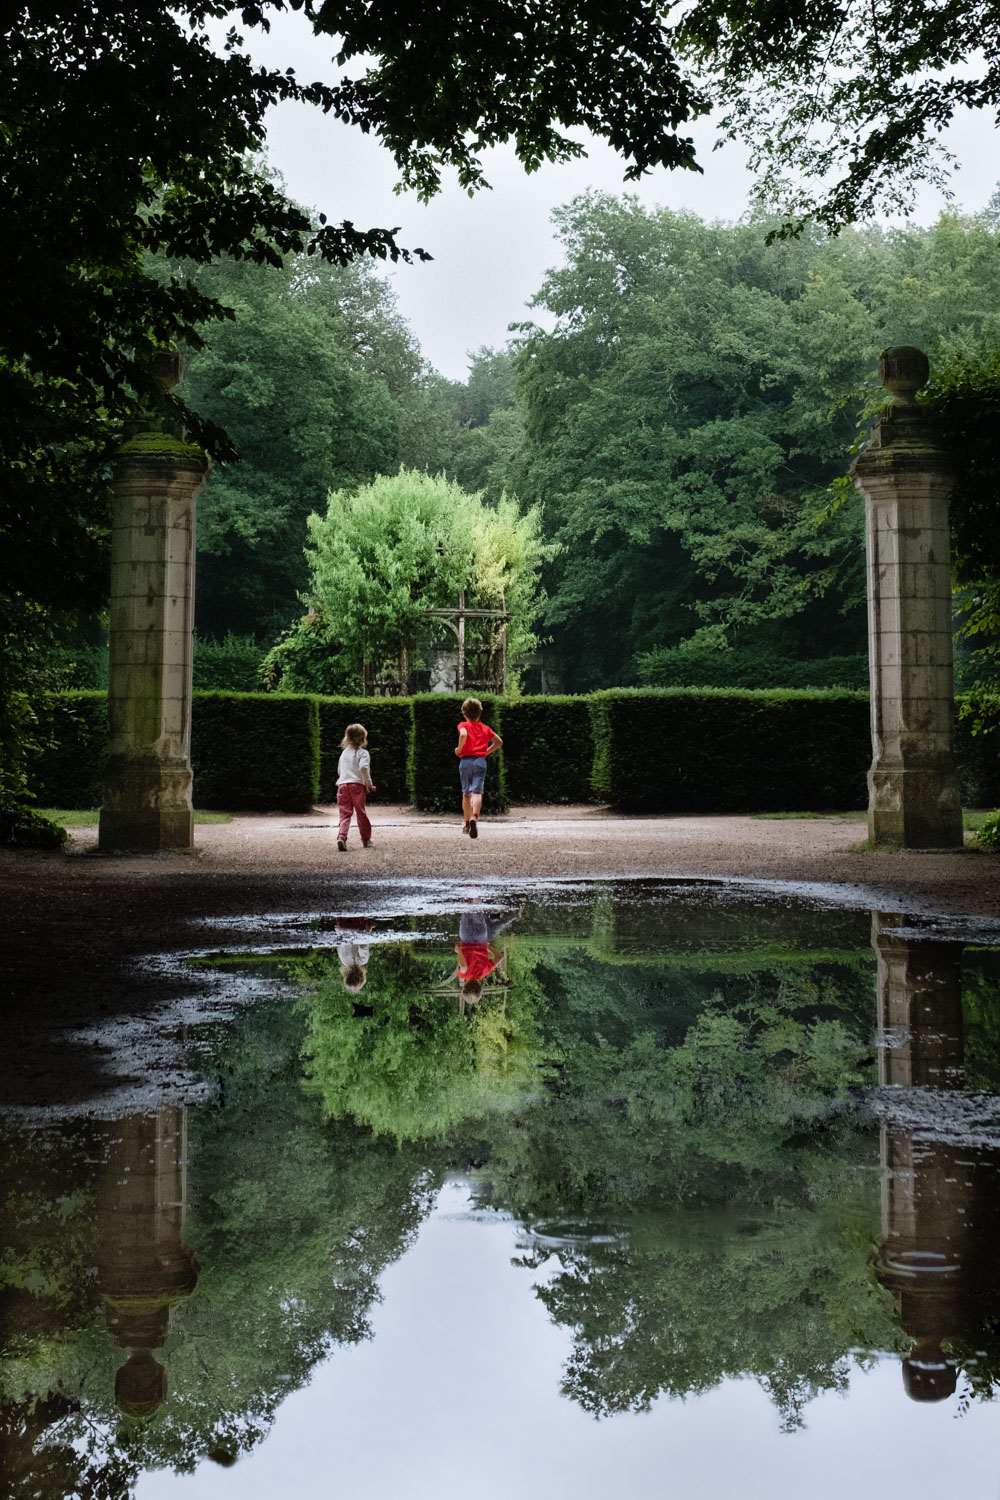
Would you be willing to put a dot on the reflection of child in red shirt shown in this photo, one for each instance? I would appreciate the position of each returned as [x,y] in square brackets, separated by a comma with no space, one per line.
[477,958]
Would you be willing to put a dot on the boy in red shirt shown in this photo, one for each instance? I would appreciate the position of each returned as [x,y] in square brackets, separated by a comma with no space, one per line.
[475,742]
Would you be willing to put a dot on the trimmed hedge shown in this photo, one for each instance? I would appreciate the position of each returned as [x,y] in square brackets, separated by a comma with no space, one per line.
[73,729]
[389,722]
[436,787]
[248,750]
[713,750]
[548,749]
[255,750]
[671,750]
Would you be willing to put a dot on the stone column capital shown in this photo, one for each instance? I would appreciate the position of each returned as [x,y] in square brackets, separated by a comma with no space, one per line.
[905,441]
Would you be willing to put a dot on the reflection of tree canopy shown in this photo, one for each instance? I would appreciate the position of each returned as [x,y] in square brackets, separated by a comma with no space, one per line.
[400,1057]
[680,1306]
[736,1165]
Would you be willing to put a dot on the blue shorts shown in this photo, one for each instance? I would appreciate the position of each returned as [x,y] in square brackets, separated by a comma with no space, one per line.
[472,769]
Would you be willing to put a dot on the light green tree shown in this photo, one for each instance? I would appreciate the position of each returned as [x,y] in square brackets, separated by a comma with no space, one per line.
[388,551]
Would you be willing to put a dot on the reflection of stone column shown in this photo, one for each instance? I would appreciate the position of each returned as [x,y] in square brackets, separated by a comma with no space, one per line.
[144,1268]
[147,789]
[906,479]
[927,1244]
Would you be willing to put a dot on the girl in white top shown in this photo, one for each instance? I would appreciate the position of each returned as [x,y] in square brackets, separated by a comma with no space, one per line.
[354,782]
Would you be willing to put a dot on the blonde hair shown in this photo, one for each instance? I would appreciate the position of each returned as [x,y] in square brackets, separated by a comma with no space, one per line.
[355,977]
[355,737]
[472,709]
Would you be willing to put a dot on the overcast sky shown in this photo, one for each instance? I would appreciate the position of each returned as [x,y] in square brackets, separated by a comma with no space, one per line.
[491,252]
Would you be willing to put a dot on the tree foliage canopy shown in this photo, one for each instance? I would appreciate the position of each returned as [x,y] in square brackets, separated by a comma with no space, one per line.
[320,383]
[842,102]
[681,421]
[126,134]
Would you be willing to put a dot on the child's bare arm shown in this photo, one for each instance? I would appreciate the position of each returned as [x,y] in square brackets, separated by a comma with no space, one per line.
[494,742]
[462,737]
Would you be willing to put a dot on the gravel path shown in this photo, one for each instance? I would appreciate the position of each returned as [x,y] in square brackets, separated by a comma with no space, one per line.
[536,842]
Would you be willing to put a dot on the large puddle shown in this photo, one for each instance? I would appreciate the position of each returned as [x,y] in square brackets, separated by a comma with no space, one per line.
[577,1190]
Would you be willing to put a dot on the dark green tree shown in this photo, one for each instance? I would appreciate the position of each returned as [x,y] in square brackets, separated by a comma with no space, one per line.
[689,409]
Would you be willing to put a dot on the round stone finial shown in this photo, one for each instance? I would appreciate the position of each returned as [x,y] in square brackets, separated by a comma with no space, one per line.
[903,370]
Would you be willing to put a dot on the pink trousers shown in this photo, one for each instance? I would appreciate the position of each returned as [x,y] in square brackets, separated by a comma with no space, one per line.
[351,798]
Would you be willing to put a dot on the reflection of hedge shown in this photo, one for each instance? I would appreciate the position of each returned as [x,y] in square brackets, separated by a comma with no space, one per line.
[436,786]
[714,750]
[389,722]
[255,750]
[547,749]
[671,750]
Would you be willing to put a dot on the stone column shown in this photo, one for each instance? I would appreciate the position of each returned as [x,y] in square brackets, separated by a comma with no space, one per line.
[913,797]
[147,787]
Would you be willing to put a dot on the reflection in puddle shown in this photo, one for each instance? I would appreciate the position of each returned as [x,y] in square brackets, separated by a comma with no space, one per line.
[724,1144]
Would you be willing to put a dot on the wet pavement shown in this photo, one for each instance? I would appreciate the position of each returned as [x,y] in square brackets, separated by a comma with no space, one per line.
[583,1185]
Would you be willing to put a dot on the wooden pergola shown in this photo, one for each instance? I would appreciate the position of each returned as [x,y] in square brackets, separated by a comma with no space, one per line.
[496,653]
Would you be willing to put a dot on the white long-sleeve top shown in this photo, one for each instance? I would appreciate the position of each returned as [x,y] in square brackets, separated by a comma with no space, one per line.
[354,765]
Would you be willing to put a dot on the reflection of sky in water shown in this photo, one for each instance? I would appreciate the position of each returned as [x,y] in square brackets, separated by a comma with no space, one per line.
[458,1394]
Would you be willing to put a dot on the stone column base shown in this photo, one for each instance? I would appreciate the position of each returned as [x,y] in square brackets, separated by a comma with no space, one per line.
[146,807]
[914,809]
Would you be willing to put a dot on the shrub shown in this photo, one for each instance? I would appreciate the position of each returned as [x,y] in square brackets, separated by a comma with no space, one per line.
[81,666]
[389,722]
[989,833]
[435,770]
[230,665]
[23,828]
[255,750]
[309,657]
[709,750]
[548,749]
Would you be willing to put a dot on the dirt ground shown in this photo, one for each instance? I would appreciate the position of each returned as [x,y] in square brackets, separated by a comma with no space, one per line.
[77,922]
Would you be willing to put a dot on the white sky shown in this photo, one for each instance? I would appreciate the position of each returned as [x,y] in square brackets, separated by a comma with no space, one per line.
[491,252]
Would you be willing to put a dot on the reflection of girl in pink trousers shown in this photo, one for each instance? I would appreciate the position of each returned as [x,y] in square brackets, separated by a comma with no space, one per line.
[354,782]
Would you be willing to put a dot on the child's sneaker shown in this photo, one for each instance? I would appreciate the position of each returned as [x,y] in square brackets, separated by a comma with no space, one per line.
[368,844]
[473,830]
[466,828]
[342,845]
